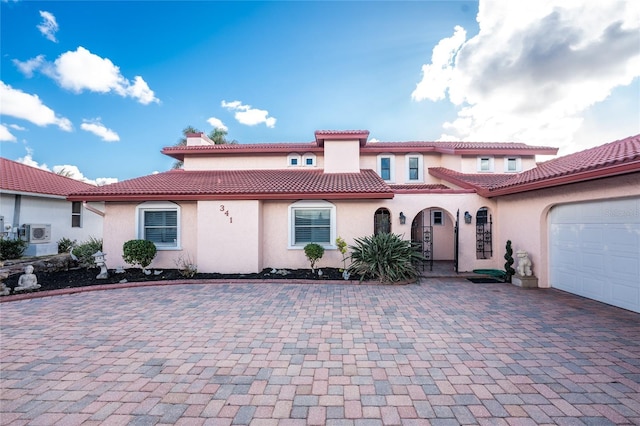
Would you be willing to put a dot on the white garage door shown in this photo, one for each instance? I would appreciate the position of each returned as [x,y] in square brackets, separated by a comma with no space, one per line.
[595,251]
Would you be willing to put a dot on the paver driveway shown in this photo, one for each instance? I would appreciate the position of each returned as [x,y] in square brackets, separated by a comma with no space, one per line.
[440,352]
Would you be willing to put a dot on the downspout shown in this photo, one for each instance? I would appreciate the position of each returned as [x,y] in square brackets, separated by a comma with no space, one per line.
[17,202]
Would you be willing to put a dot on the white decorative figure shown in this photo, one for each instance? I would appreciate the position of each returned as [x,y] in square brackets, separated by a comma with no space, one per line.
[524,264]
[28,280]
[101,262]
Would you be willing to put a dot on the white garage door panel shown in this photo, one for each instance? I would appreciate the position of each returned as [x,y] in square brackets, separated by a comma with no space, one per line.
[595,251]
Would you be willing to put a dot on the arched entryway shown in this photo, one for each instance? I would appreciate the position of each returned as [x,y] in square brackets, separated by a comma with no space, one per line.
[433,232]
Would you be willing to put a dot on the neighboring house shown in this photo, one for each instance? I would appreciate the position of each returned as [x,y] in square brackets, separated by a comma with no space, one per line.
[241,208]
[34,206]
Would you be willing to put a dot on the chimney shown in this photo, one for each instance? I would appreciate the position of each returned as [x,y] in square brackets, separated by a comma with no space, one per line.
[196,139]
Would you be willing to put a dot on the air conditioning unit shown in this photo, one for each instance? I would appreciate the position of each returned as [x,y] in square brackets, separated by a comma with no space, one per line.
[38,233]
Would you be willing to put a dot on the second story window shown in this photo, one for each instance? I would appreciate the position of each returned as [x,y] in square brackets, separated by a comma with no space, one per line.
[386,168]
[512,164]
[485,164]
[414,168]
[309,160]
[293,160]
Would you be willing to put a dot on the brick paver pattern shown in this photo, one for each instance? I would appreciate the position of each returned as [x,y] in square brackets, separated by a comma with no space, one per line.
[441,352]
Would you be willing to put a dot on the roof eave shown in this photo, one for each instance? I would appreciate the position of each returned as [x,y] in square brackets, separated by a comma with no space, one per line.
[619,169]
[234,196]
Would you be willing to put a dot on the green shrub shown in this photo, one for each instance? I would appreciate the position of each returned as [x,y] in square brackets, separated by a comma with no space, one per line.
[65,244]
[314,253]
[139,252]
[84,251]
[12,249]
[385,257]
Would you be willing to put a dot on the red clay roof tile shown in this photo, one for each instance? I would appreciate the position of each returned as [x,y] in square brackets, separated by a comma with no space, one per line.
[18,177]
[618,157]
[243,184]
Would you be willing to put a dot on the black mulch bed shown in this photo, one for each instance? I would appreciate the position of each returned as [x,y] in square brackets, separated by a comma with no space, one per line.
[82,277]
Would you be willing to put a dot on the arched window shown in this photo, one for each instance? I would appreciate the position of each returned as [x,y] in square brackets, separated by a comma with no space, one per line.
[382,221]
[484,235]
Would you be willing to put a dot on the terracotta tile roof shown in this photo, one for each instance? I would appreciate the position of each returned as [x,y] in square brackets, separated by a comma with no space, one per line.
[456,148]
[242,184]
[614,158]
[460,148]
[470,180]
[18,177]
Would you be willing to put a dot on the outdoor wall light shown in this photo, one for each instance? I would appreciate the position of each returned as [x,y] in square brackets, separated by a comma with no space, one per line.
[403,218]
[467,217]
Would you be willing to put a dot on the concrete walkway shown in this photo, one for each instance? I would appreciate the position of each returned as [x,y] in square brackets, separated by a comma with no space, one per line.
[442,352]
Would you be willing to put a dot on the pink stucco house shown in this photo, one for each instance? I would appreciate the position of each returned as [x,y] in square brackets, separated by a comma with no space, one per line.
[242,208]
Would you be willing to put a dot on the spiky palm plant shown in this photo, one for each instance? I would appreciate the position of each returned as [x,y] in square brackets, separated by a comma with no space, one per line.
[385,257]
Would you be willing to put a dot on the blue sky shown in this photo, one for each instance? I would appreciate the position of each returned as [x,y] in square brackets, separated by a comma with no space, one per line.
[98,88]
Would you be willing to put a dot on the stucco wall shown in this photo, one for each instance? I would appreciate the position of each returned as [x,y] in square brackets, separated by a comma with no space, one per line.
[342,156]
[230,236]
[524,217]
[120,227]
[255,162]
[55,212]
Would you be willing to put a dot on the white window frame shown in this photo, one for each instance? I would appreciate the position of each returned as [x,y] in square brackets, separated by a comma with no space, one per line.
[74,214]
[312,205]
[392,167]
[158,206]
[490,161]
[518,163]
[433,218]
[296,157]
[309,156]
[407,161]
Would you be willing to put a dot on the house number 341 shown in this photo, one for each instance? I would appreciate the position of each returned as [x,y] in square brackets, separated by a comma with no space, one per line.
[226,213]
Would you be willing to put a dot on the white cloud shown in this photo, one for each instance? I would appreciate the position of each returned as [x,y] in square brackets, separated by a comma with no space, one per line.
[437,75]
[5,134]
[16,103]
[216,123]
[29,161]
[82,70]
[534,68]
[245,114]
[100,130]
[29,66]
[49,26]
[67,170]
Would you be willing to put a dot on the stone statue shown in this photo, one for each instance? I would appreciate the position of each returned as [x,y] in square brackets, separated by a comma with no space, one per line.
[101,262]
[524,264]
[28,280]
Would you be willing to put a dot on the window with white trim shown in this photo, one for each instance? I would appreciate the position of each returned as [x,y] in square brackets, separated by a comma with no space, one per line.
[485,164]
[414,168]
[437,217]
[294,160]
[512,164]
[309,160]
[312,222]
[386,167]
[76,214]
[158,222]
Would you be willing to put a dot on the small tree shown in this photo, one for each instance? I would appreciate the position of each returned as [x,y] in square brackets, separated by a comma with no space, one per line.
[342,248]
[139,252]
[314,253]
[509,261]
